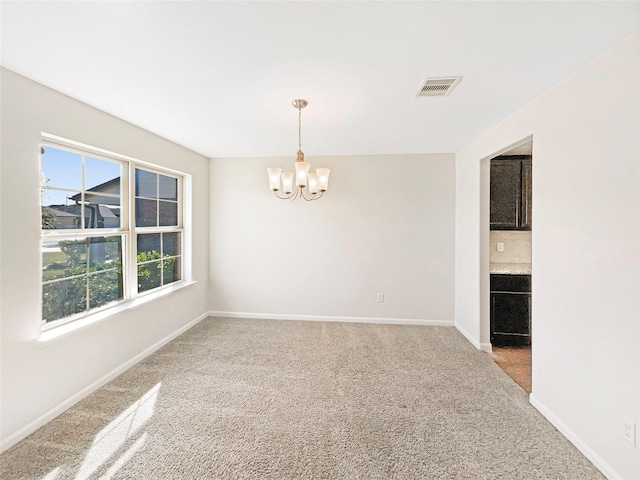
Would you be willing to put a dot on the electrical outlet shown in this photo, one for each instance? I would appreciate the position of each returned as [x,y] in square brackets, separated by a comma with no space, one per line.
[381,298]
[629,430]
[500,246]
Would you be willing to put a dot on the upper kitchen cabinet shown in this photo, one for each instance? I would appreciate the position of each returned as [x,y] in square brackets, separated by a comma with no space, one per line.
[510,192]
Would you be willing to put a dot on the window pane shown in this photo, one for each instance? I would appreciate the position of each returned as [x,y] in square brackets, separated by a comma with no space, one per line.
[105,253]
[168,188]
[168,213]
[171,243]
[65,258]
[55,198]
[102,211]
[63,298]
[148,276]
[57,264]
[59,211]
[61,168]
[146,213]
[146,184]
[101,176]
[104,288]
[149,245]
[171,270]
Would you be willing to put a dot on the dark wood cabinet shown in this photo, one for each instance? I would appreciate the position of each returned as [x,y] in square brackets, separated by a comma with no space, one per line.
[510,192]
[525,219]
[510,310]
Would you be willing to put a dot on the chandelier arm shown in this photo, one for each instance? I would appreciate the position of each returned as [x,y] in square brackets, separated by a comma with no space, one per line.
[296,193]
[312,197]
[286,197]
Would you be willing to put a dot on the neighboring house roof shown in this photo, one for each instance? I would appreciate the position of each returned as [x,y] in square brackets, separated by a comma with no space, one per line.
[106,212]
[75,210]
[62,213]
[103,187]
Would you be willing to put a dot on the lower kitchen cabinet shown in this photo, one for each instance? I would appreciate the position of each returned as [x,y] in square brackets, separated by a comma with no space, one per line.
[510,310]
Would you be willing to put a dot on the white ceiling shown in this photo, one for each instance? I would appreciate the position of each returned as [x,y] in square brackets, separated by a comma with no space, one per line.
[218,77]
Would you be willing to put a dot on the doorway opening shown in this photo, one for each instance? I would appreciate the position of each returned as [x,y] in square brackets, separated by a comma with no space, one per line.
[510,223]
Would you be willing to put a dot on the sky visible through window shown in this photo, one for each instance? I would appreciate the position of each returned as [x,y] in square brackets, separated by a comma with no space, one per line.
[63,169]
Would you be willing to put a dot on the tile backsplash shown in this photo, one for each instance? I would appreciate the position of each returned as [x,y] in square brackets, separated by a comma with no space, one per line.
[517,246]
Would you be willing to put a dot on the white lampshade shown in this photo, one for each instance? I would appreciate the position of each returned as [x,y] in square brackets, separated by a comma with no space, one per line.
[274,178]
[287,182]
[323,178]
[302,170]
[313,183]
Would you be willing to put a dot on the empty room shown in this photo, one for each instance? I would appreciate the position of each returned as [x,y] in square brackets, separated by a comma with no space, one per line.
[320,240]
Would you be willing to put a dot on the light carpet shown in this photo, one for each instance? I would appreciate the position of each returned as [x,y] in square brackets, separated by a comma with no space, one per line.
[268,399]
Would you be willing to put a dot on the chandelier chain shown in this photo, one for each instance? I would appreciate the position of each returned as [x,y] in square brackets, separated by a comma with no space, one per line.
[299,127]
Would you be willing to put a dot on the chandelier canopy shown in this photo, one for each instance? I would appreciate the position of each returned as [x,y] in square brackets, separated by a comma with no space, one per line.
[316,183]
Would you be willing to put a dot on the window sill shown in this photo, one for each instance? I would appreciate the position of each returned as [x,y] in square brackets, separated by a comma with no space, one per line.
[54,333]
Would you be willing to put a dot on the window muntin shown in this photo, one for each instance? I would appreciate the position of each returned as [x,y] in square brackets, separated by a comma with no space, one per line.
[86,267]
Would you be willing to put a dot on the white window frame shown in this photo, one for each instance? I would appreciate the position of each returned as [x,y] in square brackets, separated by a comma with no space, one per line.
[127,230]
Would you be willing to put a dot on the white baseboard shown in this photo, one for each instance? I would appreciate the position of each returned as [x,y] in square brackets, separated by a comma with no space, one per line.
[485,347]
[323,318]
[587,451]
[11,440]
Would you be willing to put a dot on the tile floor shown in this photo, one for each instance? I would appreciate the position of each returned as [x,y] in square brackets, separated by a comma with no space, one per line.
[516,362]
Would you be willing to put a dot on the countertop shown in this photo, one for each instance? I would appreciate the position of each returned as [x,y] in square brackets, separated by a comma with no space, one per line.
[511,268]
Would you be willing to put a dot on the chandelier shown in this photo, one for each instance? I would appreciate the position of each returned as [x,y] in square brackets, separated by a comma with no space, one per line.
[314,182]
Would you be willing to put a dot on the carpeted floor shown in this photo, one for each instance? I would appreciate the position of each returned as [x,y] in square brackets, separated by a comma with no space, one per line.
[266,399]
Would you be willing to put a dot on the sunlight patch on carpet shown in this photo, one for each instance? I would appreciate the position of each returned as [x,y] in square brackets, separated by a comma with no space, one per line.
[113,436]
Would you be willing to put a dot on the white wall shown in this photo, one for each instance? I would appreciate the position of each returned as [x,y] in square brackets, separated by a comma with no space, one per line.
[37,378]
[585,251]
[385,226]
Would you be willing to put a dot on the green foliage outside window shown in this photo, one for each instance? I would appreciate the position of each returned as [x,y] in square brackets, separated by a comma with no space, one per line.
[67,297]
[48,218]
[76,250]
[71,286]
[150,265]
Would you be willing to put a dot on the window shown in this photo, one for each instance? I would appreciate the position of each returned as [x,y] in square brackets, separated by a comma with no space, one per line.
[112,228]
[158,236]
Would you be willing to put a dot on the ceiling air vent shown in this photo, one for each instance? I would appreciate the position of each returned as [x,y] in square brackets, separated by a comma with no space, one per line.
[437,87]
